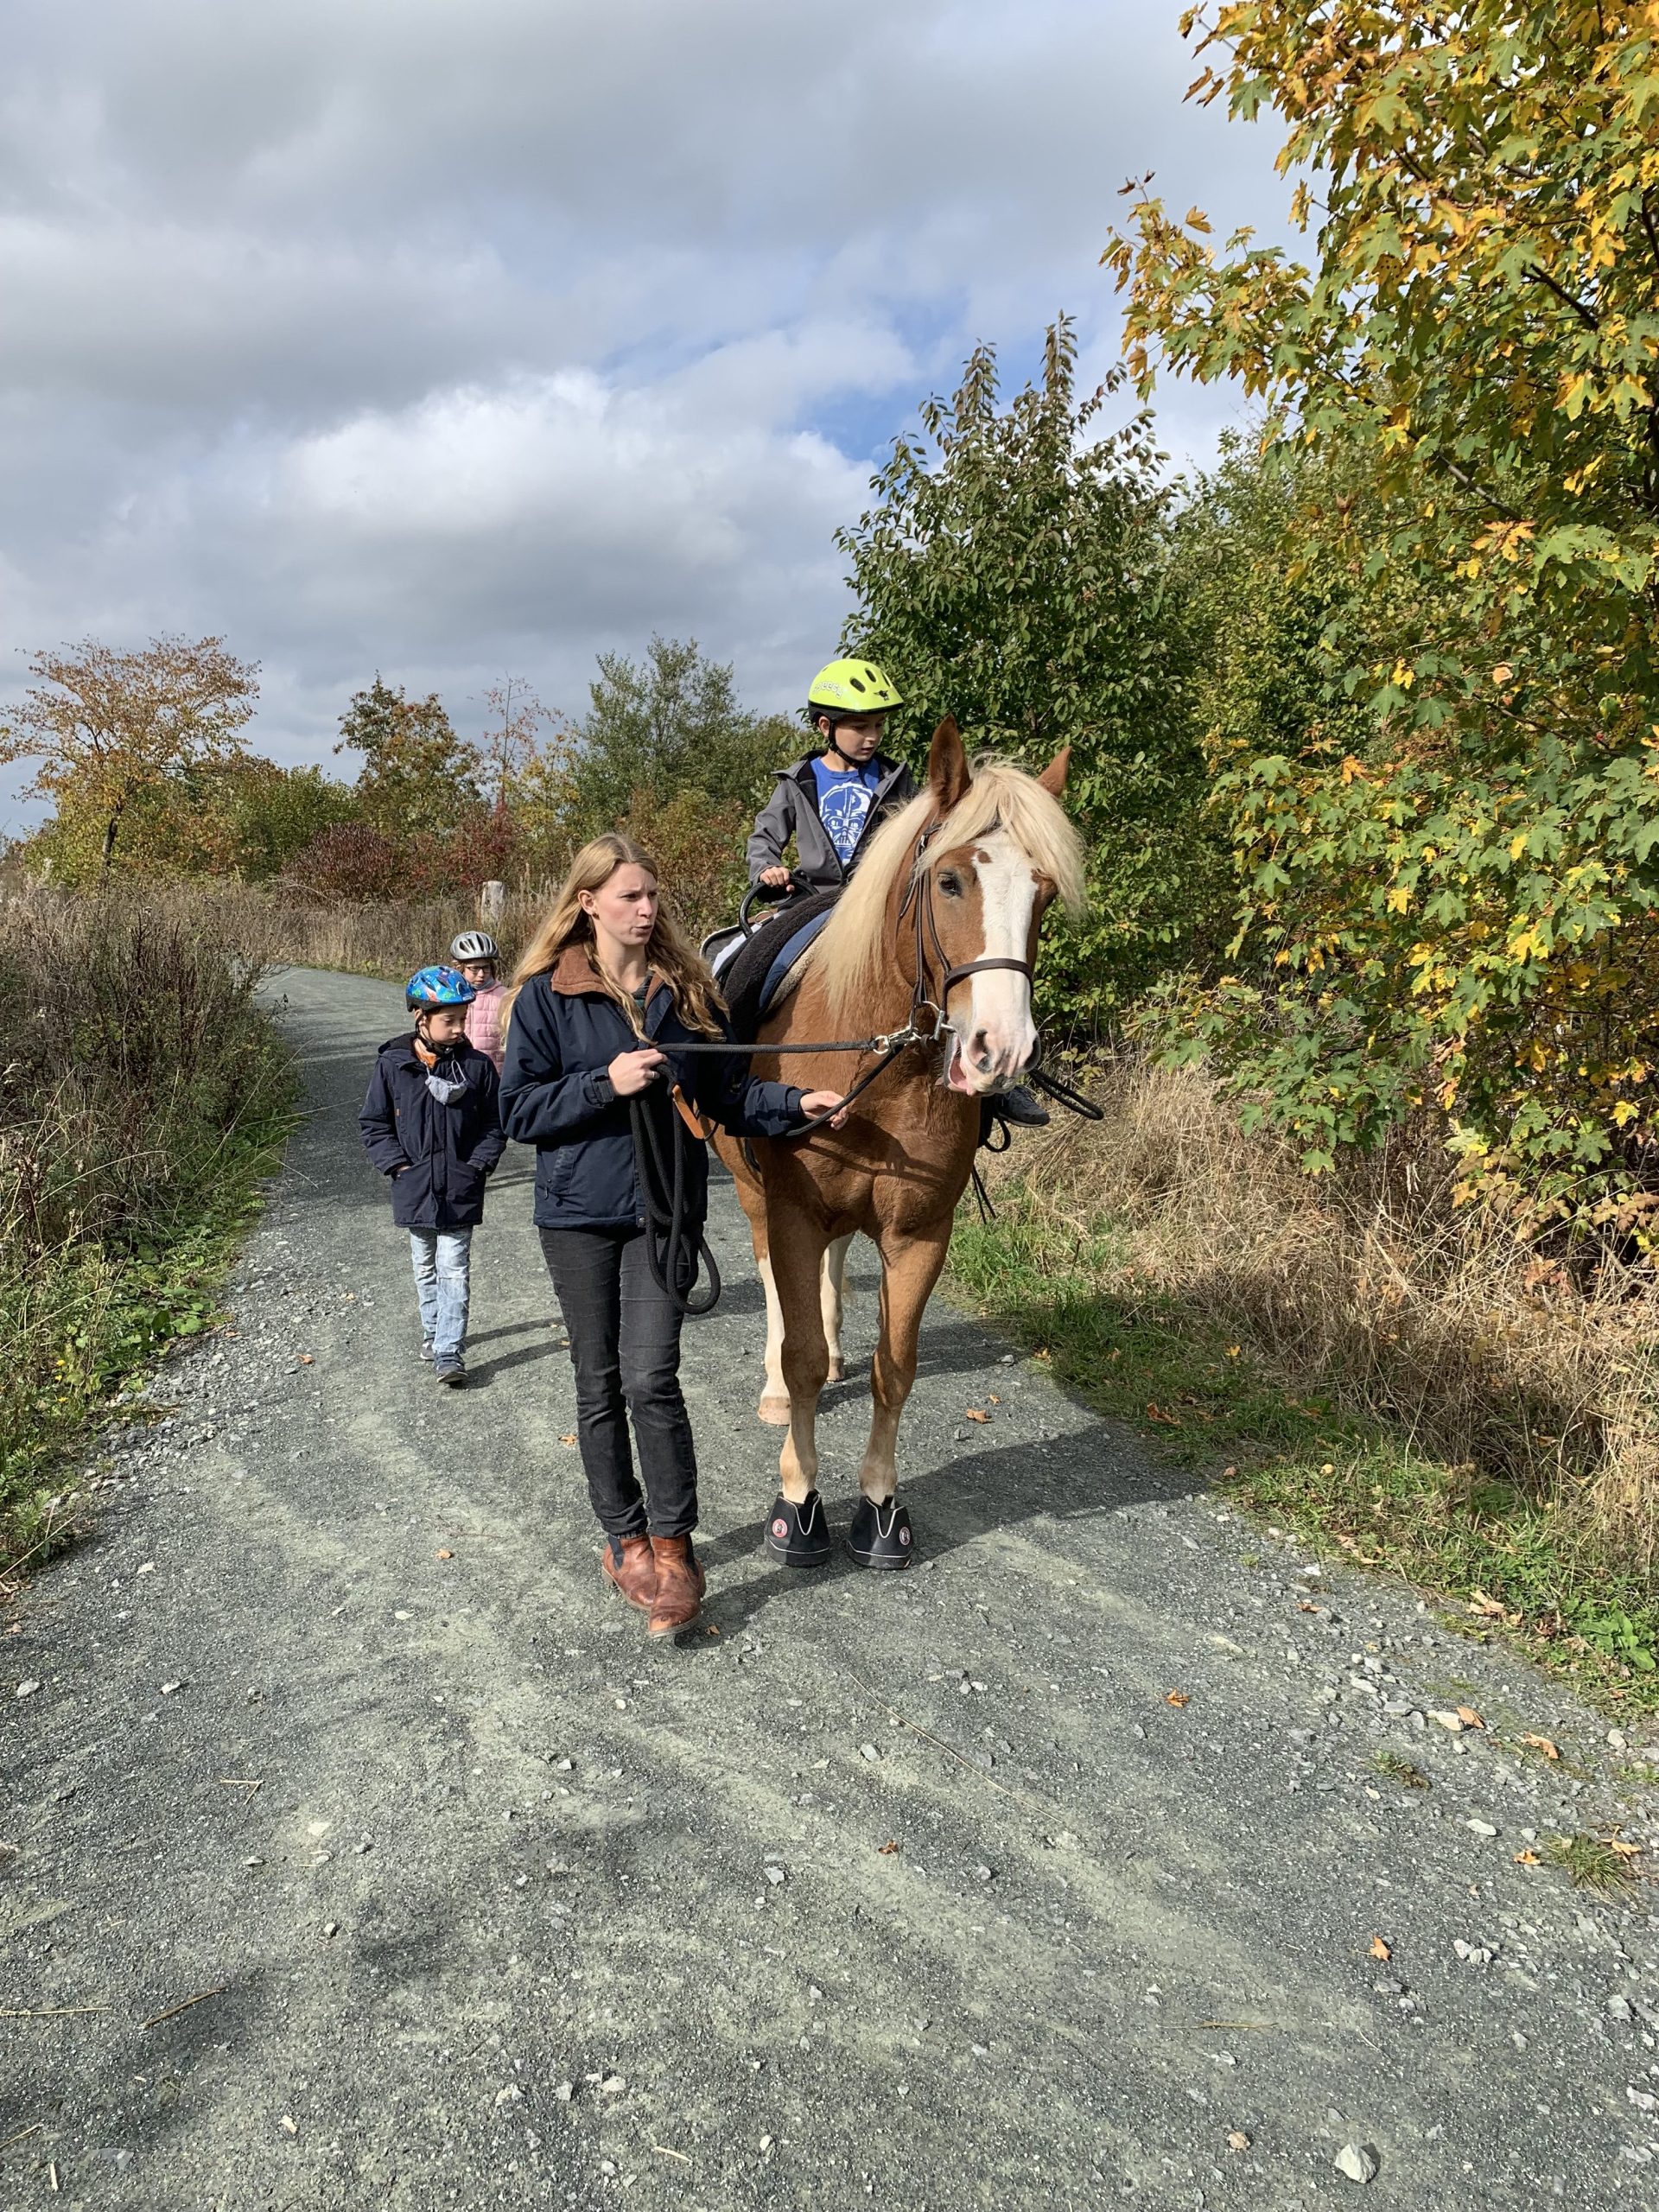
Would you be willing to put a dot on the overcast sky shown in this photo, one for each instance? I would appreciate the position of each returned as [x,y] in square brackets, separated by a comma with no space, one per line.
[452,337]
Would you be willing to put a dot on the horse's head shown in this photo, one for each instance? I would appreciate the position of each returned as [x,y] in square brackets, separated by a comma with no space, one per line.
[1001,854]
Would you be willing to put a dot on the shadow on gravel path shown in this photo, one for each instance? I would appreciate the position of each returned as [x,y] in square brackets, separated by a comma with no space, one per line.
[1058,1871]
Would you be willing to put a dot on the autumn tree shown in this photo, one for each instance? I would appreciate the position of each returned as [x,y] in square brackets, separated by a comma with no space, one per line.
[418,774]
[1459,896]
[1015,572]
[106,727]
[667,726]
[513,737]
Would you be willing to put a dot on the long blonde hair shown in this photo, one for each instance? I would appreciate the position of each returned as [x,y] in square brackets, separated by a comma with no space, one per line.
[697,997]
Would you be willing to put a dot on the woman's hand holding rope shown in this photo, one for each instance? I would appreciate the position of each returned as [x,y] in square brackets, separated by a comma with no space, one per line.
[633,1073]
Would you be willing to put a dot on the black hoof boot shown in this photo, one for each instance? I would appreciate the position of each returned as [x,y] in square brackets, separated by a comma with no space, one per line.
[879,1536]
[798,1534]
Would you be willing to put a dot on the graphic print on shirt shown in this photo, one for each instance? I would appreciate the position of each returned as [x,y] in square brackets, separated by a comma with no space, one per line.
[844,804]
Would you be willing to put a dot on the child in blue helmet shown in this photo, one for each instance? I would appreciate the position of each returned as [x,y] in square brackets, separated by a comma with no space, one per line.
[429,1123]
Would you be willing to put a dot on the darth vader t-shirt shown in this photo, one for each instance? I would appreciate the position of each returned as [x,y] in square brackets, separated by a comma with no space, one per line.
[844,804]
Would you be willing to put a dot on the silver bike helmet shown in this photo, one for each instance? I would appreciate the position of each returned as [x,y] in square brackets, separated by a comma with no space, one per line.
[474,944]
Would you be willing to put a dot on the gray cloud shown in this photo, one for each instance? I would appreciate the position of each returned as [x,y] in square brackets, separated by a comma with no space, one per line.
[442,338]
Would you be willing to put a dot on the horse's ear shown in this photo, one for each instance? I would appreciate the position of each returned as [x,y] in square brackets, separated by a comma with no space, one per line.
[1053,779]
[947,765]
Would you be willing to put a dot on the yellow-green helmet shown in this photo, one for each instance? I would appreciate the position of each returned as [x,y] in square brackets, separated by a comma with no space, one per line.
[852,687]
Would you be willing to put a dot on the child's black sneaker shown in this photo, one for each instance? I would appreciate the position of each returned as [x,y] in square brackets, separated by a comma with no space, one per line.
[450,1371]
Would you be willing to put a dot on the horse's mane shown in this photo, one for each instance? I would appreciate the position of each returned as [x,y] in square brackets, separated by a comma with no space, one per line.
[852,955]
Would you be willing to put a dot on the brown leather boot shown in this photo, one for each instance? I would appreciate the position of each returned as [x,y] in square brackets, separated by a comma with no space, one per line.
[633,1573]
[680,1583]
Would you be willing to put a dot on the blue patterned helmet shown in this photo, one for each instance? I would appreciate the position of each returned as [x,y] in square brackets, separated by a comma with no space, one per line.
[435,987]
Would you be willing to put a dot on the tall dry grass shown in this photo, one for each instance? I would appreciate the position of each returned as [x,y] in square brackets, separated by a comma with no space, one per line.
[141,1095]
[1372,1286]
[284,925]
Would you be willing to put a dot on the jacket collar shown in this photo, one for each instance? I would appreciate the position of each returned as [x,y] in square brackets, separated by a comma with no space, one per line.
[572,976]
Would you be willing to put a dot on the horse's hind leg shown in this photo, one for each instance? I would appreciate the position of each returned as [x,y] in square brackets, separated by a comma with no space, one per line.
[880,1534]
[774,1396]
[832,1297]
[832,1291]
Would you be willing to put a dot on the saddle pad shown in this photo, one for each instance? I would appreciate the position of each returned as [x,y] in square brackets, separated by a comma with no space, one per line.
[756,976]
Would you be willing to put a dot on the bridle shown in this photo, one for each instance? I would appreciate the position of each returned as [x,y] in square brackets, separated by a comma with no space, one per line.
[930,947]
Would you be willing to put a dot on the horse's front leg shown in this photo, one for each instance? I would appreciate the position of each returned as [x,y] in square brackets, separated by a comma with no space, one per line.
[880,1534]
[796,1532]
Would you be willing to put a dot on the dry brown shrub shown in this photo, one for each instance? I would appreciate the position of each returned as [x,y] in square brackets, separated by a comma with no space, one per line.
[1374,1286]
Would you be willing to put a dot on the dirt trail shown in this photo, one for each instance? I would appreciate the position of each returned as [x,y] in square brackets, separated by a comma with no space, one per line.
[915,1890]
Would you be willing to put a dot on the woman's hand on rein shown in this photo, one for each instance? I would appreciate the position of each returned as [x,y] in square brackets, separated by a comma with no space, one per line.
[817,1103]
[633,1073]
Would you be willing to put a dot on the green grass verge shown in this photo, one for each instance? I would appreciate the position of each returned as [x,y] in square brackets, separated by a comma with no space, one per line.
[108,1308]
[1348,1487]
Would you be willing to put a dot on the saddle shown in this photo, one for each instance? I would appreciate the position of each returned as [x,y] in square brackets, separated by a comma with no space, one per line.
[753,980]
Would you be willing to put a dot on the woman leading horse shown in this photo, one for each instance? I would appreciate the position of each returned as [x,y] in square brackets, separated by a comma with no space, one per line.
[935,934]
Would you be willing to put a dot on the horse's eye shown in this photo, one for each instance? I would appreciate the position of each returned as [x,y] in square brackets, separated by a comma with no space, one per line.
[951,885]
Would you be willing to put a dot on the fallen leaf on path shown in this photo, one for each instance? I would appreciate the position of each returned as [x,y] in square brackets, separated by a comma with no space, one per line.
[1178,1697]
[887,1850]
[1238,2141]
[1527,1859]
[445,1554]
[566,1440]
[1486,1607]
[1380,1949]
[1307,1606]
[1469,1717]
[1616,1842]
[992,1399]
[1542,1744]
[974,1414]
[306,1360]
[1155,1412]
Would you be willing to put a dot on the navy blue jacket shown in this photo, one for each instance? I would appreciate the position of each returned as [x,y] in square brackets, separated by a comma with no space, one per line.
[564,1033]
[444,1152]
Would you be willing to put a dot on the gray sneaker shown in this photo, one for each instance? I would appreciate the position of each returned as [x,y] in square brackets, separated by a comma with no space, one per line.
[426,1347]
[450,1371]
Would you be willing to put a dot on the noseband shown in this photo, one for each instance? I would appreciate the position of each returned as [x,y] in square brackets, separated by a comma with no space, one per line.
[919,899]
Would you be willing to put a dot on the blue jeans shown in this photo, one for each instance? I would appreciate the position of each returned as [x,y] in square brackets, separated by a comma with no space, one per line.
[440,1258]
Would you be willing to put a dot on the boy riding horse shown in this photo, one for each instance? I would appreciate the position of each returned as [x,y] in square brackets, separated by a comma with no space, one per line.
[831,802]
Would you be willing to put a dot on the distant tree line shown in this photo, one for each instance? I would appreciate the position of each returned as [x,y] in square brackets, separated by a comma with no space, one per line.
[145,757]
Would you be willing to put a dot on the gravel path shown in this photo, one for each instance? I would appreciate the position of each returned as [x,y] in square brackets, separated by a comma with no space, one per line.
[922,1890]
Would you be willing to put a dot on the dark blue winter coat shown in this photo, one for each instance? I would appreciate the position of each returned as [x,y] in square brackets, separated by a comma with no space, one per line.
[438,1156]
[564,1033]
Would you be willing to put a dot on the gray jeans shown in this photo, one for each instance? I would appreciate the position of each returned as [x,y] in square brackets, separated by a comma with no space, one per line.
[442,1258]
[624,1346]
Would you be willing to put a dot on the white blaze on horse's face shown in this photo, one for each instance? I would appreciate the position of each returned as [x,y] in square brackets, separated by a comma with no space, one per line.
[995,1035]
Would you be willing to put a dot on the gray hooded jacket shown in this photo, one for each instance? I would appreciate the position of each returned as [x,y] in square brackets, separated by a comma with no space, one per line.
[792,811]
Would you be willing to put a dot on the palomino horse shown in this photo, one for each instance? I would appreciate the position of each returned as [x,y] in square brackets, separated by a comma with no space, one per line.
[937,932]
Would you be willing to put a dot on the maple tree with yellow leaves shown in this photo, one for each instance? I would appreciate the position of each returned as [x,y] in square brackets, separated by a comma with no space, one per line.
[1453,876]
